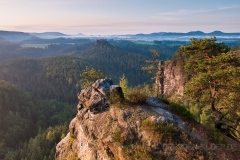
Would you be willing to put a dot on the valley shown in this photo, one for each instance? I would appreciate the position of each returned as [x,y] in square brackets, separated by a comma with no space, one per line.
[41,79]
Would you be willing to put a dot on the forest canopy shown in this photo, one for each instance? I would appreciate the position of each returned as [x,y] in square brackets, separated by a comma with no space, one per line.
[212,79]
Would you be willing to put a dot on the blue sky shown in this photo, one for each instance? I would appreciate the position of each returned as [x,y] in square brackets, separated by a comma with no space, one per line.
[106,17]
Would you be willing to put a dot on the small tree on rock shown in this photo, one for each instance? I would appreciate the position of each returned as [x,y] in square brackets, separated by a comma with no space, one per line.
[89,76]
[123,83]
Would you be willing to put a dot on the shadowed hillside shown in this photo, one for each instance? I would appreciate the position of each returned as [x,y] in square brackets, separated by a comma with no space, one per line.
[114,61]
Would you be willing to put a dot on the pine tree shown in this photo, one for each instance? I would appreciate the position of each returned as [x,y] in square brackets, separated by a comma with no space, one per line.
[213,78]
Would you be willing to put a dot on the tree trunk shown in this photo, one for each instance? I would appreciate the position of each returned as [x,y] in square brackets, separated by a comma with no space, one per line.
[218,115]
[160,78]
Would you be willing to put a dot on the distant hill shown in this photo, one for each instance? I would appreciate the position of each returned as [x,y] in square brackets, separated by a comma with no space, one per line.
[184,36]
[61,40]
[58,37]
[10,50]
[80,34]
[192,33]
[14,36]
[49,35]
[165,49]
[114,62]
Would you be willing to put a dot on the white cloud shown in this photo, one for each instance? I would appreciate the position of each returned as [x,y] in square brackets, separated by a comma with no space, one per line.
[186,12]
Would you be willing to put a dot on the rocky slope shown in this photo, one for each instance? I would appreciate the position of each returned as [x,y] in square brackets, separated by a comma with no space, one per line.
[105,131]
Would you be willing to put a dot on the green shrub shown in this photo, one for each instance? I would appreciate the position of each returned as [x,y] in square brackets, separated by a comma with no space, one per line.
[116,95]
[164,100]
[148,124]
[73,156]
[116,136]
[109,121]
[137,152]
[147,89]
[166,129]
[136,96]
[72,138]
[215,135]
[181,110]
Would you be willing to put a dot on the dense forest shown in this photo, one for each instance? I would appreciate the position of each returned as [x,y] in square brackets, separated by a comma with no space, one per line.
[30,127]
[39,86]
[114,62]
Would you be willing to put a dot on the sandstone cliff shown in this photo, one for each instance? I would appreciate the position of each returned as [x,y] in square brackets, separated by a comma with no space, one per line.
[173,80]
[105,131]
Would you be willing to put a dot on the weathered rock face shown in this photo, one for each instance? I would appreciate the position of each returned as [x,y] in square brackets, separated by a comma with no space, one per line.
[164,115]
[102,131]
[103,86]
[87,132]
[173,80]
[92,99]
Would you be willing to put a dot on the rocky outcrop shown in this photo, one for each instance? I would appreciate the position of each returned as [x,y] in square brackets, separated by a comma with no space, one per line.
[171,83]
[87,131]
[104,131]
[173,80]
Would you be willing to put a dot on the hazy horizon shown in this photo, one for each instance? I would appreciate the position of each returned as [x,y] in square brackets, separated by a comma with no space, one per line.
[105,17]
[81,34]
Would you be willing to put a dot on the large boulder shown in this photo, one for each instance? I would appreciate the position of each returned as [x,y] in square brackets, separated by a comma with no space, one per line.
[103,86]
[93,100]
